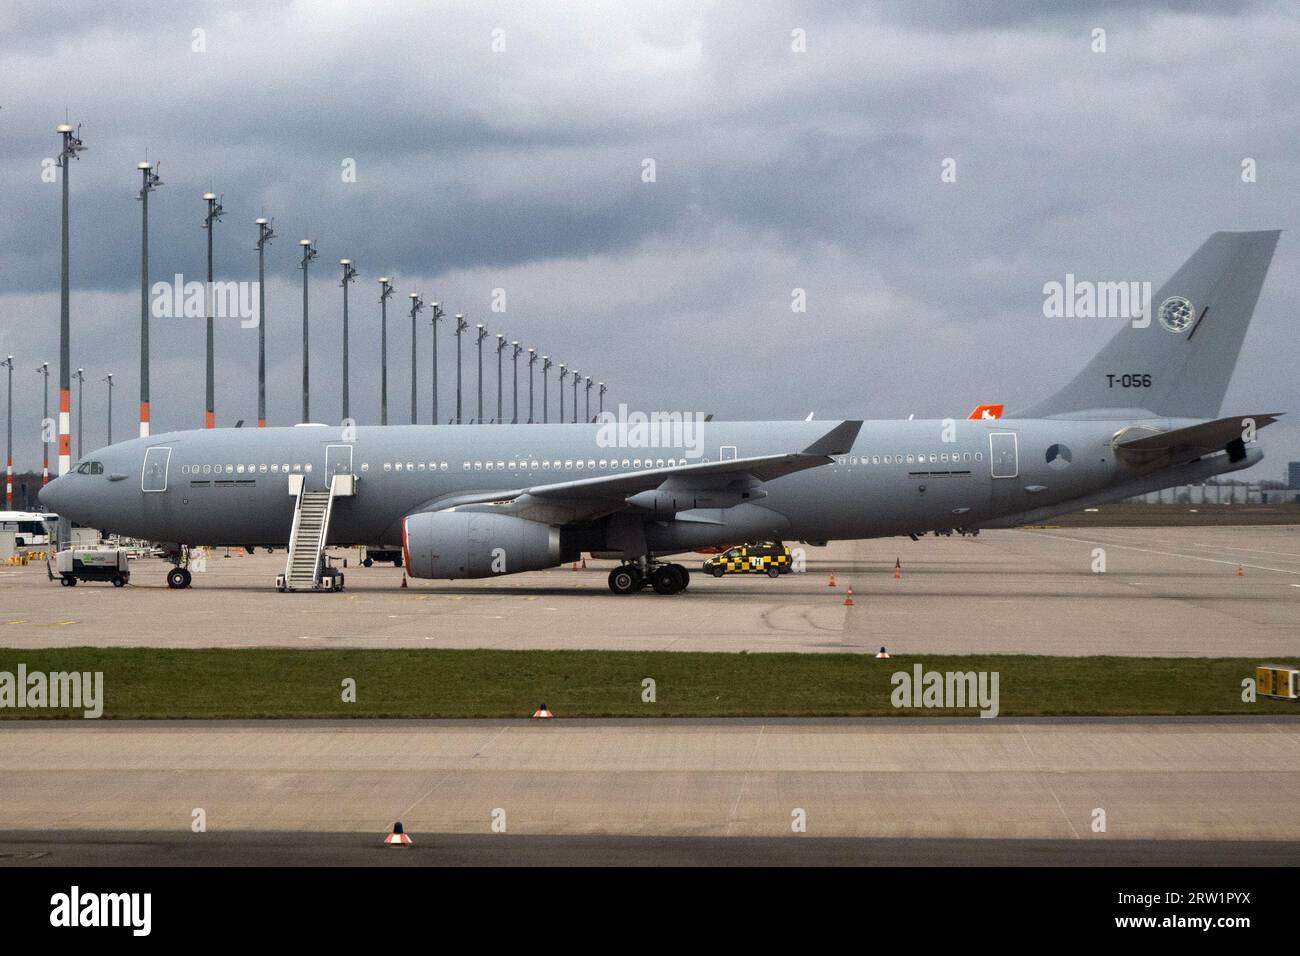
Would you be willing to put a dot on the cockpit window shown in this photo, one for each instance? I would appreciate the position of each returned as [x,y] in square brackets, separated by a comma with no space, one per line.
[90,468]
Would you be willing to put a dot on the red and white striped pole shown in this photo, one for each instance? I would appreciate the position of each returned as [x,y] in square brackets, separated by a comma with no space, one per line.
[65,430]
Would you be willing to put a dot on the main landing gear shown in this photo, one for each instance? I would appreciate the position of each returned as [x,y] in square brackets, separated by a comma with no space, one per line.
[179,577]
[663,578]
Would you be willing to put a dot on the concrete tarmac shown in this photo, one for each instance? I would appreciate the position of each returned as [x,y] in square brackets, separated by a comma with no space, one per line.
[156,848]
[1165,592]
[1086,781]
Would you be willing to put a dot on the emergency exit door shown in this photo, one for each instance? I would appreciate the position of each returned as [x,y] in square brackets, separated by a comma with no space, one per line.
[1004,455]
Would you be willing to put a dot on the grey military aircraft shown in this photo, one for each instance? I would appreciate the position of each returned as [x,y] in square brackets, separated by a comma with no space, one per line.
[469,501]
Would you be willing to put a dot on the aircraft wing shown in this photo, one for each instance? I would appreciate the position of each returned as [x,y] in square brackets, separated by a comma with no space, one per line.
[710,484]
[1196,440]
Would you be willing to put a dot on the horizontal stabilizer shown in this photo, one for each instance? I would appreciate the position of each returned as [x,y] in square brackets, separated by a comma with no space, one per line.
[1198,439]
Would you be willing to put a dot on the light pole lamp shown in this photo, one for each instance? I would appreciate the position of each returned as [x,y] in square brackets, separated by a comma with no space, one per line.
[149,182]
[9,436]
[482,334]
[461,326]
[546,391]
[587,393]
[501,344]
[308,254]
[213,216]
[436,313]
[109,379]
[515,349]
[264,235]
[417,304]
[72,145]
[81,381]
[532,360]
[349,276]
[385,291]
[564,373]
[600,394]
[44,372]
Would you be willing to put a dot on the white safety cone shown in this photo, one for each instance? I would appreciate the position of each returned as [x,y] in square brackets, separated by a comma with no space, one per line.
[883,655]
[541,713]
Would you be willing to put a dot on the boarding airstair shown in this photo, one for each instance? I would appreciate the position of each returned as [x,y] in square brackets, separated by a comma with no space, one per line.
[305,568]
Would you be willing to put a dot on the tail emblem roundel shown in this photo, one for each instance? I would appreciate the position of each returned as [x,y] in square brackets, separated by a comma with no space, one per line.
[1175,313]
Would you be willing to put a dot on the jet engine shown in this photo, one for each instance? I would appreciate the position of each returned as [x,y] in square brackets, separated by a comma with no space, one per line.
[476,544]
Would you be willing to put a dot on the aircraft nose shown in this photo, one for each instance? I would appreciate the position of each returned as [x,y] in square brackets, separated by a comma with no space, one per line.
[54,495]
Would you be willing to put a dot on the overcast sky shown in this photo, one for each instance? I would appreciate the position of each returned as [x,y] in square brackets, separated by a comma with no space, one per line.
[481,168]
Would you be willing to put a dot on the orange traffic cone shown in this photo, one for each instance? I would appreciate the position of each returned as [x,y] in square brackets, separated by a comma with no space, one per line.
[898,568]
[848,598]
[831,582]
[542,713]
[1241,571]
[398,837]
[403,579]
[575,566]
[883,655]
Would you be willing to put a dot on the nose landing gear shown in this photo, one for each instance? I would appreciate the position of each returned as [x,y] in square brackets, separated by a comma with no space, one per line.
[179,577]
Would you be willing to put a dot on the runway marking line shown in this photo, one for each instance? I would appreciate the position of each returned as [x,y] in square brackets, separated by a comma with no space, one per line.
[1224,547]
[744,781]
[1167,554]
[1046,781]
[449,774]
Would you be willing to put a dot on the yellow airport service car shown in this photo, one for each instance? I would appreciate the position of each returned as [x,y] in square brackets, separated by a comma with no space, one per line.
[1280,681]
[768,557]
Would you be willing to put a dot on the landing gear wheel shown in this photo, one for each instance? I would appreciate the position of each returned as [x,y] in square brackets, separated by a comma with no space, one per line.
[625,580]
[685,576]
[665,580]
[178,578]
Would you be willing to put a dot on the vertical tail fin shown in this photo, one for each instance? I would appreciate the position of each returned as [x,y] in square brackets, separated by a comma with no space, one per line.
[1179,363]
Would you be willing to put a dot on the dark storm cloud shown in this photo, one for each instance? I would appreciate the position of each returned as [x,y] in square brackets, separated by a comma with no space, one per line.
[776,170]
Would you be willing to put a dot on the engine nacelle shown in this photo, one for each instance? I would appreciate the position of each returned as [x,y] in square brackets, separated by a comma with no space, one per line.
[476,544]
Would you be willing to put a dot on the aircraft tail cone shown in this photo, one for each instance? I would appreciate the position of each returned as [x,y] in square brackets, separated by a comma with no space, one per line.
[398,837]
[883,655]
[541,713]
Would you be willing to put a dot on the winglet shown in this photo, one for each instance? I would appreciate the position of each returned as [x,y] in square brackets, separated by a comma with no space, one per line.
[837,441]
